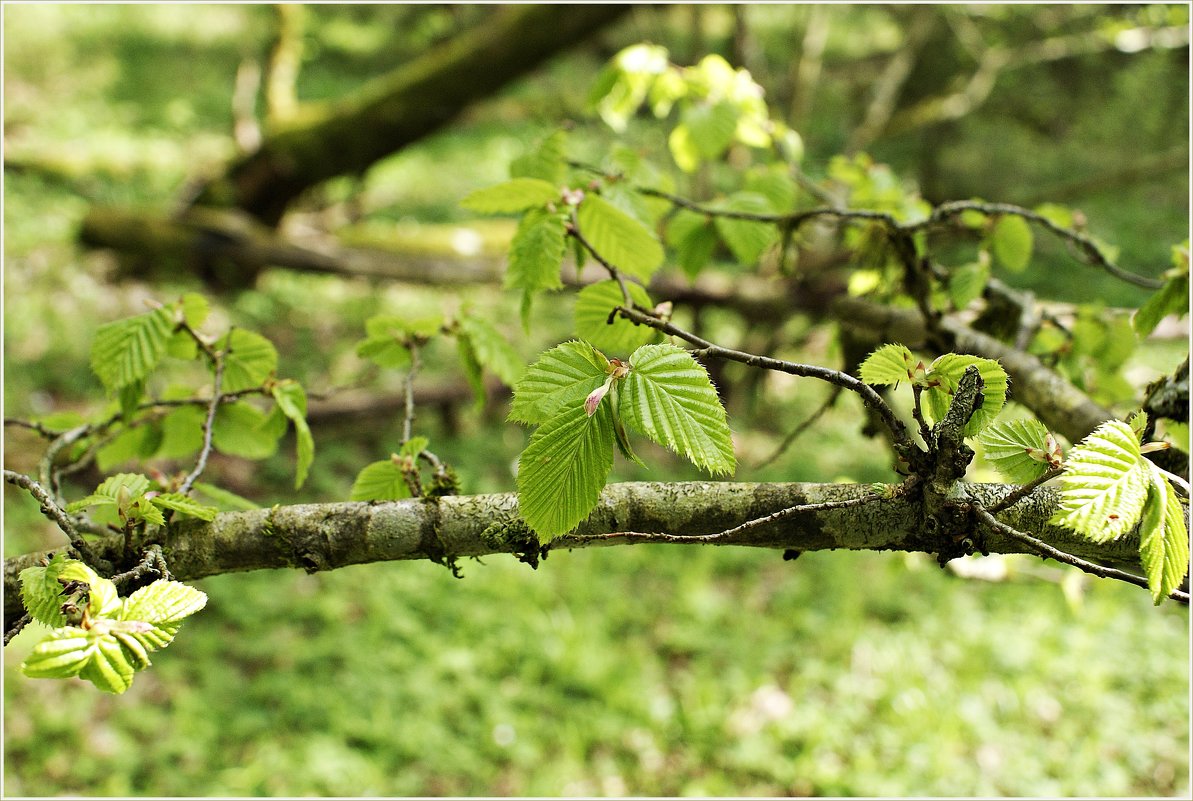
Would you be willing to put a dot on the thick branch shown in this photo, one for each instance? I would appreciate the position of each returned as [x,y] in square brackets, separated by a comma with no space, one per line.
[328,536]
[1060,405]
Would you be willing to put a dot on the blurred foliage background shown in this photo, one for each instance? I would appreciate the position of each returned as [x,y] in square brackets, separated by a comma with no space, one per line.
[645,670]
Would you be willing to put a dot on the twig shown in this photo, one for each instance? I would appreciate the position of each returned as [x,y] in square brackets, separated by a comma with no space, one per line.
[1044,549]
[51,509]
[208,422]
[828,403]
[33,425]
[917,412]
[785,513]
[152,562]
[1025,490]
[574,231]
[415,364]
[15,628]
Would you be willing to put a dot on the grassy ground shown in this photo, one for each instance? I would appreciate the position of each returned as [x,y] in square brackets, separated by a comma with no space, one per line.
[645,670]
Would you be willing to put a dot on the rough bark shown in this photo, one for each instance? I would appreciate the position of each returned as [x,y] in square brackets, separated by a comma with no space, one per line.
[348,136]
[328,536]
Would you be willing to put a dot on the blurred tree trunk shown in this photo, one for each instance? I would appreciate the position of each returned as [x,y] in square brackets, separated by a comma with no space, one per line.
[348,136]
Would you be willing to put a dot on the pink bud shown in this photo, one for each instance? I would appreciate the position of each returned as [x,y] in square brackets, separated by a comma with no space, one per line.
[594,398]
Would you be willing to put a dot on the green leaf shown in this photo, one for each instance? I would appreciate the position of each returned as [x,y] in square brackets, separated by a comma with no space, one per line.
[223,499]
[42,593]
[249,359]
[619,238]
[473,373]
[181,345]
[683,148]
[593,304]
[563,469]
[385,344]
[710,126]
[241,429]
[380,481]
[776,185]
[890,364]
[536,252]
[694,238]
[186,505]
[1010,446]
[108,666]
[563,376]
[746,239]
[1172,298]
[163,603]
[129,397]
[1163,538]
[105,600]
[195,309]
[1138,424]
[1105,484]
[182,432]
[292,400]
[1011,241]
[126,351]
[547,162]
[135,483]
[517,195]
[621,437]
[62,654]
[948,369]
[967,282]
[492,350]
[132,444]
[143,509]
[669,398]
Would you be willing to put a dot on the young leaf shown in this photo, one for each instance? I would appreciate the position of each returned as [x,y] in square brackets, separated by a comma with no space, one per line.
[241,429]
[182,432]
[1163,538]
[711,126]
[547,162]
[1011,241]
[563,469]
[223,499]
[517,195]
[1172,298]
[414,446]
[1105,484]
[536,252]
[1010,446]
[380,481]
[41,592]
[385,344]
[184,504]
[890,364]
[132,444]
[249,359]
[136,484]
[195,309]
[126,351]
[62,654]
[492,350]
[292,400]
[619,238]
[105,600]
[694,238]
[669,398]
[163,603]
[967,282]
[948,369]
[593,304]
[1138,424]
[473,373]
[108,666]
[746,239]
[562,376]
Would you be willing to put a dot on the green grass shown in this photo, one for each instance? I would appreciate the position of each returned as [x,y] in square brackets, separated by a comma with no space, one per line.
[645,670]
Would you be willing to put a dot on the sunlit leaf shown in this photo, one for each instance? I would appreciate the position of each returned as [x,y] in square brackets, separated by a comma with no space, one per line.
[1105,484]
[512,196]
[126,351]
[563,376]
[621,337]
[249,359]
[619,238]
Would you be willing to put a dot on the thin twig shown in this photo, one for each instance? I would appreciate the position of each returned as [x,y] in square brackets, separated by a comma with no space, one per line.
[209,422]
[152,562]
[917,412]
[15,628]
[1025,490]
[415,364]
[51,509]
[33,425]
[828,403]
[574,231]
[1044,549]
[785,513]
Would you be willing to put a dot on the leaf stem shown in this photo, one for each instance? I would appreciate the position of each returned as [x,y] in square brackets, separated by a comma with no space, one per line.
[209,421]
[51,509]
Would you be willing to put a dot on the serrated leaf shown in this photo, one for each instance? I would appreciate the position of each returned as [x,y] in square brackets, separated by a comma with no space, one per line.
[195,309]
[668,397]
[143,509]
[1011,241]
[694,238]
[562,376]
[105,599]
[184,504]
[517,195]
[181,345]
[249,359]
[182,432]
[225,500]
[547,162]
[711,126]
[126,351]
[163,603]
[91,500]
[292,400]
[109,667]
[241,429]
[967,283]
[620,436]
[620,239]
[1007,447]
[380,481]
[129,396]
[747,240]
[563,469]
[1138,423]
[62,654]
[1172,298]
[135,483]
[948,369]
[493,351]
[593,304]
[1105,484]
[1163,538]
[890,364]
[536,252]
[42,593]
[414,446]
